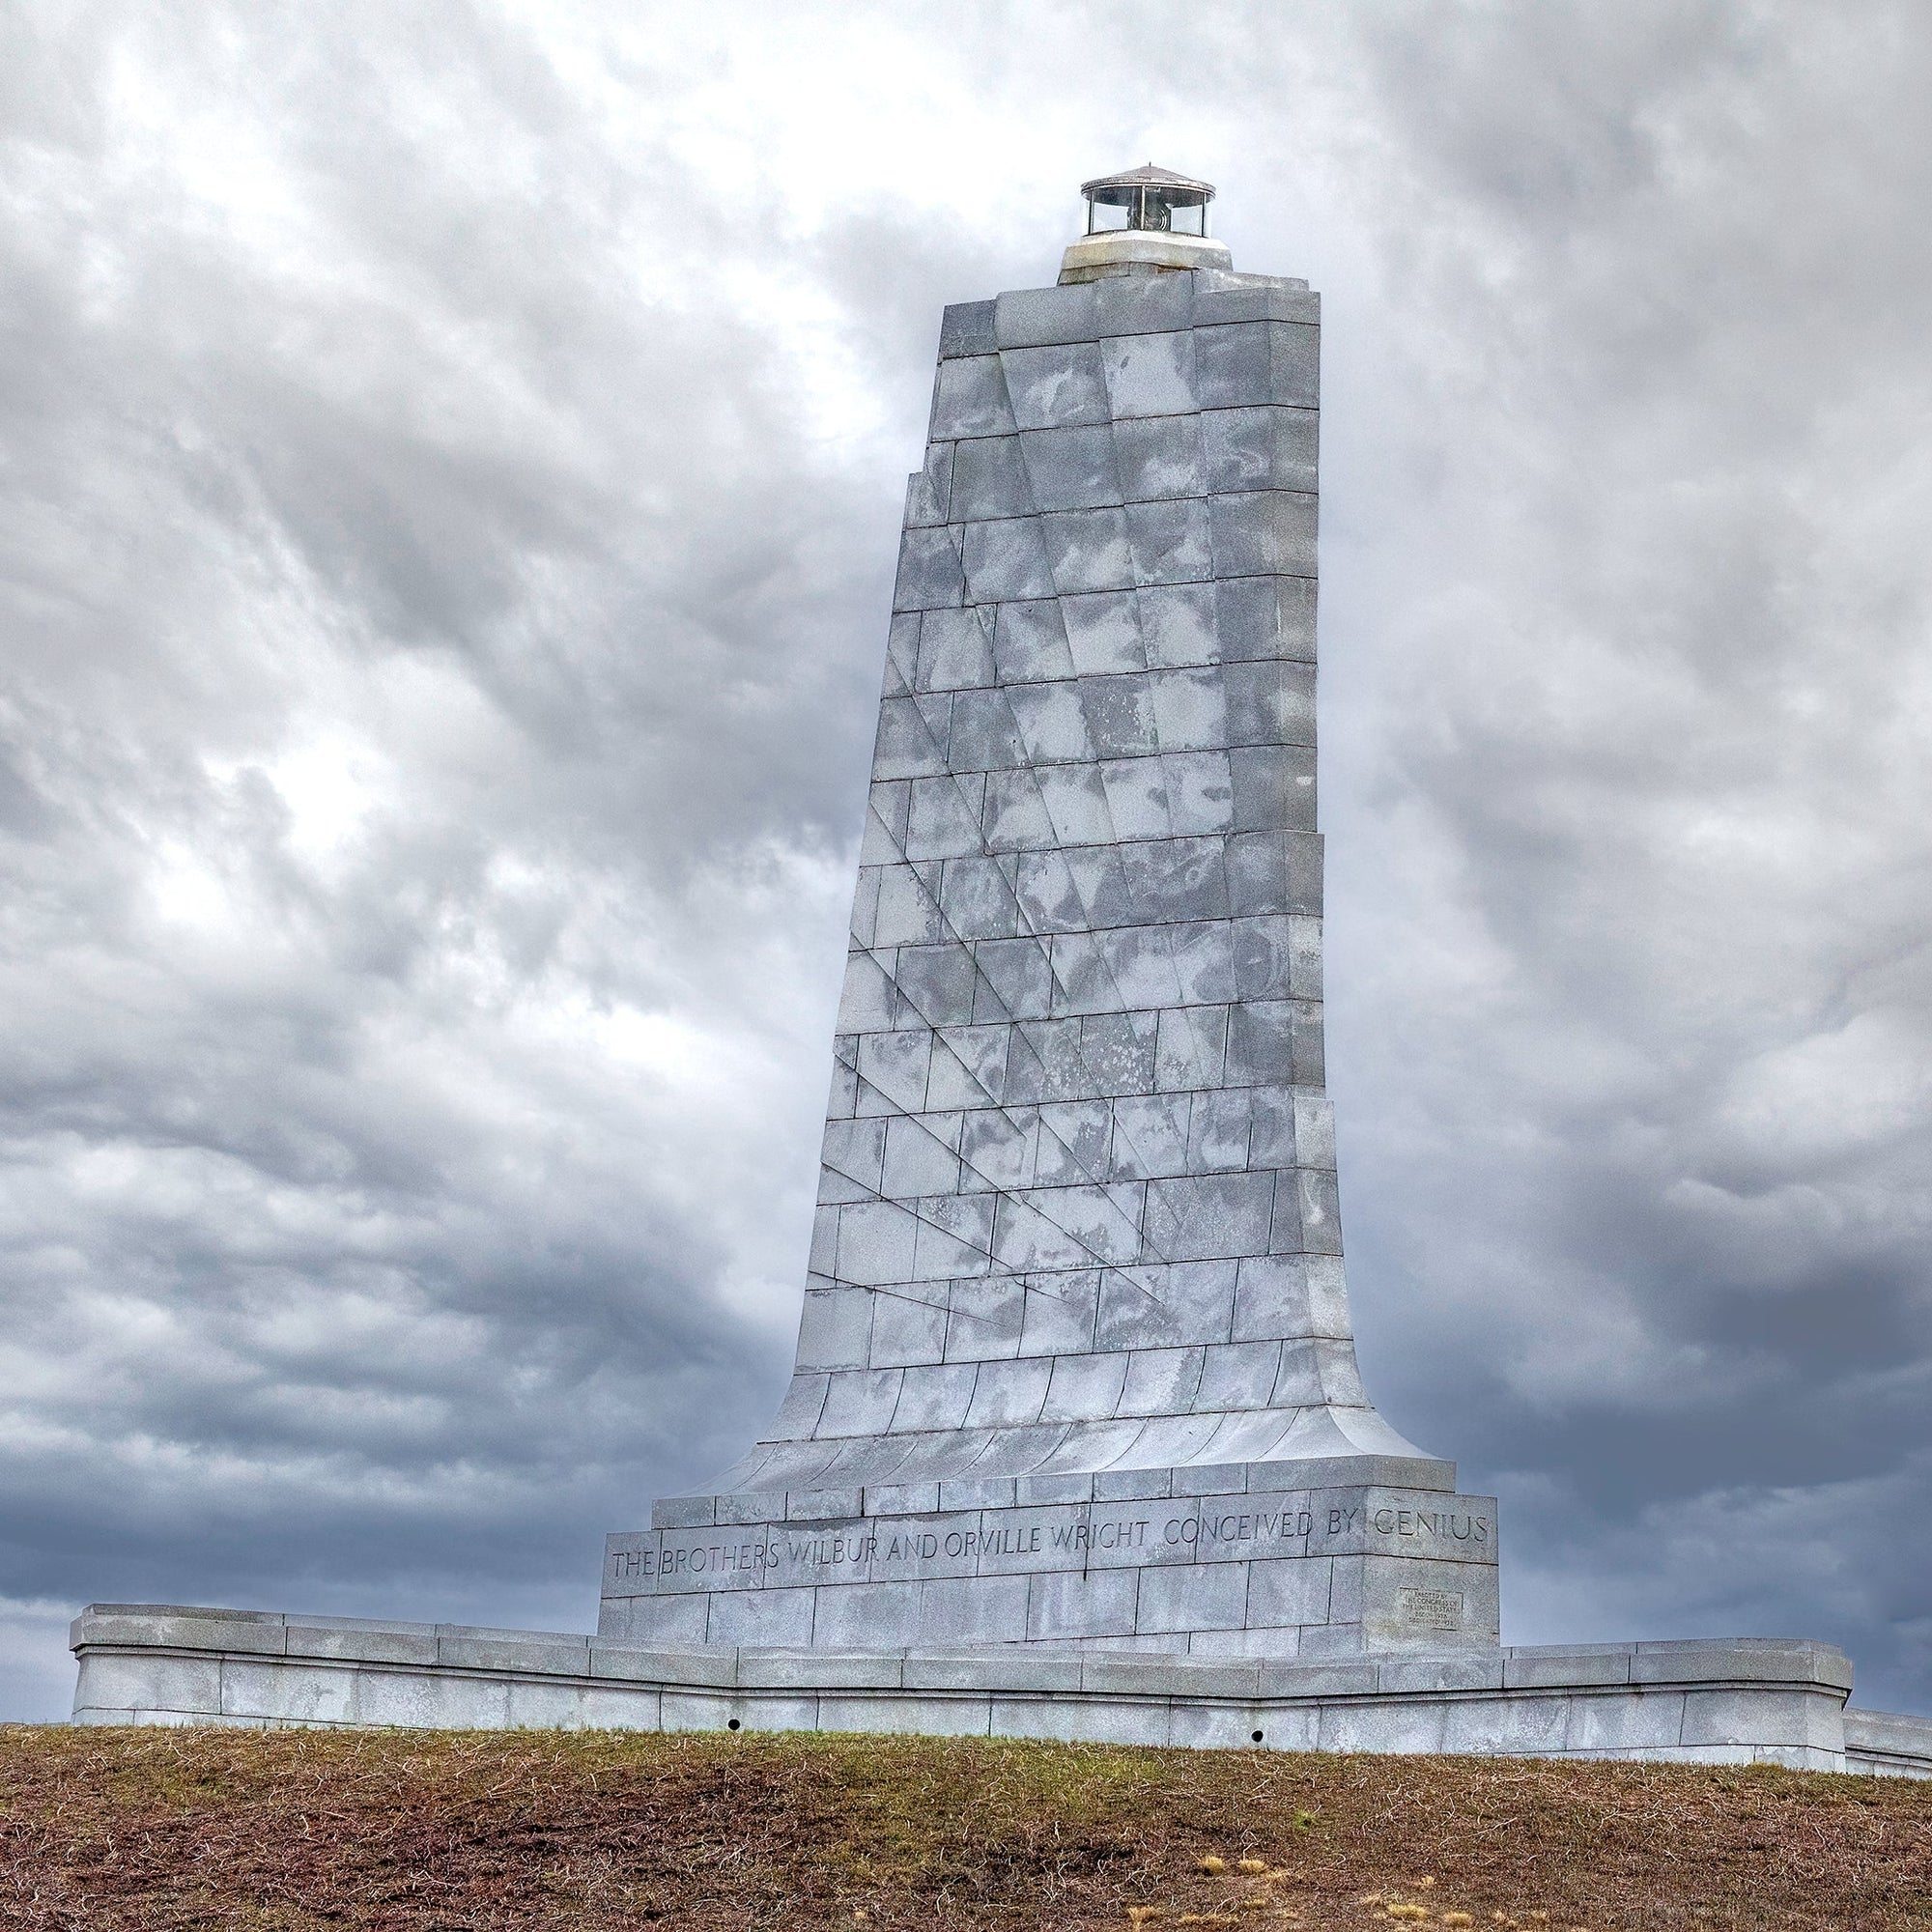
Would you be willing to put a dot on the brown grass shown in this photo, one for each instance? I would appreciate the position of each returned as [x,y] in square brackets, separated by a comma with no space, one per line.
[296,1830]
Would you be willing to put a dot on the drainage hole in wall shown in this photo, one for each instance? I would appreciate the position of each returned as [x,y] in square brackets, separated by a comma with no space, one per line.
[733,1725]
[1258,1737]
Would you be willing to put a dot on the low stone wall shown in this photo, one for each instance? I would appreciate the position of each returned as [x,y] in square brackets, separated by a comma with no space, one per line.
[1712,1702]
[1892,1746]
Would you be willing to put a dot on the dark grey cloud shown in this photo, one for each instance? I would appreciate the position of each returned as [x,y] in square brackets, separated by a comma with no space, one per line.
[451,470]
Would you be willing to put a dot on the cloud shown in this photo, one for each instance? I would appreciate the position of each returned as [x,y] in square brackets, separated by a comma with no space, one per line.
[453,458]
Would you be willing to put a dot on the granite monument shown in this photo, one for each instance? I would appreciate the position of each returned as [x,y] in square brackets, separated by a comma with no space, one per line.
[1075,1365]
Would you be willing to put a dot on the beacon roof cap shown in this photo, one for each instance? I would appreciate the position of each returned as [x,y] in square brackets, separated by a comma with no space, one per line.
[1149,197]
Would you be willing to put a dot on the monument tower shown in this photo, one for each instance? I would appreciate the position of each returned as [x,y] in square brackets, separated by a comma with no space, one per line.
[1075,1365]
[1075,1374]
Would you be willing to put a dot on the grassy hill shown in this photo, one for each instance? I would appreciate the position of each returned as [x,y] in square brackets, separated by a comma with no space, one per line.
[295,1831]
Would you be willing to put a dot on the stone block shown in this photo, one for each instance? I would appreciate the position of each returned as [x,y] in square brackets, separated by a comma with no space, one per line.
[346,1643]
[1269,448]
[1255,298]
[1270,704]
[976,901]
[183,1629]
[968,1610]
[191,1686]
[1274,871]
[1011,1668]
[1272,787]
[985,1322]
[1247,364]
[1213,1479]
[1033,318]
[1888,1742]
[1007,1394]
[701,1711]
[907,1330]
[606,1707]
[956,1234]
[984,1493]
[870,1617]
[990,478]
[1053,1488]
[1235,1727]
[1395,1726]
[1015,557]
[969,399]
[984,736]
[1290,1590]
[1193,1596]
[912,738]
[1070,468]
[1087,550]
[1601,1723]
[1150,375]
[1554,1667]
[1319,1214]
[967,328]
[1029,641]
[931,573]
[1480,1671]
[550,1656]
[1159,457]
[1170,542]
[817,1670]
[671,1619]
[1202,1218]
[834,1332]
[1054,388]
[1762,1717]
[1075,800]
[929,494]
[416,1700]
[1179,624]
[1262,532]
[744,1618]
[1137,304]
[1764,1660]
[901,1498]
[1059,1313]
[955,653]
[1198,792]
[1081,1603]
[1103,634]
[1530,1726]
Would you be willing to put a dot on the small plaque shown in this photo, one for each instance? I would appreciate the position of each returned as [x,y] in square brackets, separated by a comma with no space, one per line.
[1433,1610]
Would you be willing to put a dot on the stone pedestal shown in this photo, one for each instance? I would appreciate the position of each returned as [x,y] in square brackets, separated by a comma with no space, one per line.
[1264,1559]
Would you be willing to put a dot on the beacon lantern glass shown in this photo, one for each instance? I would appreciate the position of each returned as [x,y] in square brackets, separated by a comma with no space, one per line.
[1154,200]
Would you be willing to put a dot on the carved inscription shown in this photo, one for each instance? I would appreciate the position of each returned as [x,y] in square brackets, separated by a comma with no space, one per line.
[1443,1526]
[1055,1538]
[1432,1609]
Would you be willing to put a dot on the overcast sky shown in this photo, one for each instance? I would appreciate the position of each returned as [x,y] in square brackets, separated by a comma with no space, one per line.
[450,468]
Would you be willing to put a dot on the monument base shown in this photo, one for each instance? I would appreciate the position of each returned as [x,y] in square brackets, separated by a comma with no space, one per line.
[1744,1702]
[1323,1558]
